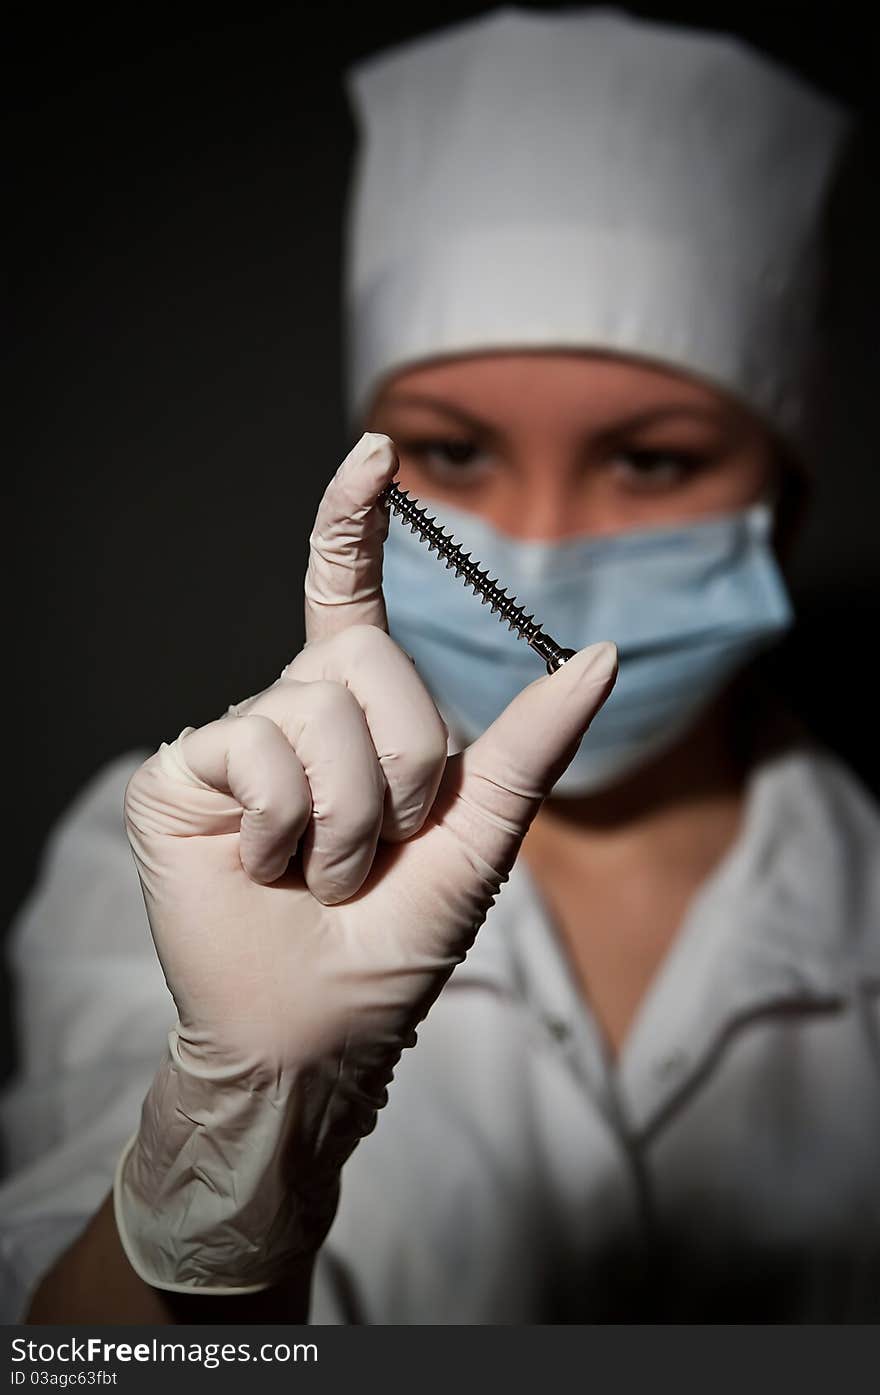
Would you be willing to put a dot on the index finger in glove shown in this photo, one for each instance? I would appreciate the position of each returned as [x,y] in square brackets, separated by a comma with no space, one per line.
[344,578]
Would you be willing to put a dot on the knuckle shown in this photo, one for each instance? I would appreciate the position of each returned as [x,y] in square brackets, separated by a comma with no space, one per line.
[255,725]
[330,701]
[254,729]
[360,641]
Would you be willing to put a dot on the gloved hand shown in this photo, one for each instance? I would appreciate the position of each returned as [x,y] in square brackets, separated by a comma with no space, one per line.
[298,984]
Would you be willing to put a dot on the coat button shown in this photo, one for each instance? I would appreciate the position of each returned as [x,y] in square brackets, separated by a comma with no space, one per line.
[671,1066]
[558,1028]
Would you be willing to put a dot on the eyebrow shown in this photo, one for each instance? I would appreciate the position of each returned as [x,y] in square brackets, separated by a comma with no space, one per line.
[643,418]
[438,404]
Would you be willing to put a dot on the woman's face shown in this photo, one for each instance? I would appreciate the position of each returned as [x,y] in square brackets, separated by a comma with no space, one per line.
[548,445]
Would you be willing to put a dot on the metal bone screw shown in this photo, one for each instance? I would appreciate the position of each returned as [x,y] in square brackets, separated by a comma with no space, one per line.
[473,574]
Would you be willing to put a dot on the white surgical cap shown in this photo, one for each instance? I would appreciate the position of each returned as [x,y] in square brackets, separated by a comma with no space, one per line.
[582,179]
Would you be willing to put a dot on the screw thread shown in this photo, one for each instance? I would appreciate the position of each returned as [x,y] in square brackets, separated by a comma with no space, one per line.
[472,573]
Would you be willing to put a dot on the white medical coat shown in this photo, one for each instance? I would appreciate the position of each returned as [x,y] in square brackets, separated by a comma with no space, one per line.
[725,1168]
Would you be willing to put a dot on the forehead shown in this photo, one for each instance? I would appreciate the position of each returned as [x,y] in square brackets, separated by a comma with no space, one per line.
[575,384]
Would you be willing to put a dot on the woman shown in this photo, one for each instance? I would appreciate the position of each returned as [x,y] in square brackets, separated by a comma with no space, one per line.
[582,279]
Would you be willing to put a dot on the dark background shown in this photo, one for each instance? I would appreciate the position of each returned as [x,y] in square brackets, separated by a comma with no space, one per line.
[174,375]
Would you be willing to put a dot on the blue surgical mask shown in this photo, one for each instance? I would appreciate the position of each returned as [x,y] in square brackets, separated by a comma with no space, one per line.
[686,606]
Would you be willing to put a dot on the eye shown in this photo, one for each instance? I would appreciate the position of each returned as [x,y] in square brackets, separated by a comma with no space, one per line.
[445,458]
[655,469]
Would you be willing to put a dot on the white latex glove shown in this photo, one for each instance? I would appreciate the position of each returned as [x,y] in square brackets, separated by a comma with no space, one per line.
[298,984]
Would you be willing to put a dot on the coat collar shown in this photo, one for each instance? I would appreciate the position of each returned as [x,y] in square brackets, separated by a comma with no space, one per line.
[790,917]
